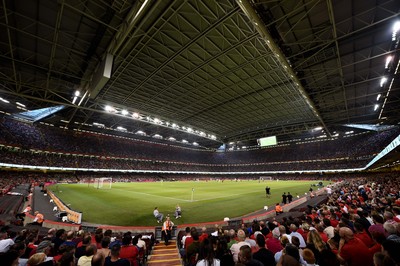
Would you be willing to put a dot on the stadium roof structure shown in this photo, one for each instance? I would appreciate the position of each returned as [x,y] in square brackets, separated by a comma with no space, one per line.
[206,71]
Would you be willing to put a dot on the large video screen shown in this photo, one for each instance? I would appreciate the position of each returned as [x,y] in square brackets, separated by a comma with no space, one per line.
[267,141]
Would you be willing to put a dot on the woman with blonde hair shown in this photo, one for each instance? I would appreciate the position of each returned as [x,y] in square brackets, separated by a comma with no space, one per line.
[315,244]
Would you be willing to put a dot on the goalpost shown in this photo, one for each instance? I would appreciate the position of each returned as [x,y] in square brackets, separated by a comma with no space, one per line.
[265,178]
[102,183]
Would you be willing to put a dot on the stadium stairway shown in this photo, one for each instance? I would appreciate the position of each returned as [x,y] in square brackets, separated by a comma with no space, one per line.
[162,255]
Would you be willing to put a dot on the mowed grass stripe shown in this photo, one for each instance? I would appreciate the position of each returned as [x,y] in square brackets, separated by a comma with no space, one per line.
[133,203]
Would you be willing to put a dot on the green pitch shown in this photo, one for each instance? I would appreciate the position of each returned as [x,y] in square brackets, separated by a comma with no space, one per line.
[133,203]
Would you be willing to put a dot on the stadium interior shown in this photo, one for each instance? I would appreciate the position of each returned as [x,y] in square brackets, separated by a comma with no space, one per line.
[168,90]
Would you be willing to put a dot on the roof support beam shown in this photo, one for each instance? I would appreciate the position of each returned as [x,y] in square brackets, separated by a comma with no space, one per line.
[254,18]
[9,41]
[339,63]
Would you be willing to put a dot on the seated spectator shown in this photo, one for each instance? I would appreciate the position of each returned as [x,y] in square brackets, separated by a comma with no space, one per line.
[86,260]
[278,209]
[129,251]
[204,234]
[245,257]
[391,231]
[158,215]
[274,244]
[381,259]
[350,246]
[105,242]
[263,255]
[316,244]
[207,255]
[39,219]
[39,259]
[115,259]
[361,234]
[5,242]
[309,258]
[235,248]
[293,229]
[98,259]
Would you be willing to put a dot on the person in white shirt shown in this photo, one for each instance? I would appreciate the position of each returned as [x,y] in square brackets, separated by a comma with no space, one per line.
[235,248]
[86,260]
[159,216]
[208,255]
[5,242]
[293,228]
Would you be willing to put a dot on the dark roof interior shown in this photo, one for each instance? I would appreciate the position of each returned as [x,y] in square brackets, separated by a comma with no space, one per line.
[236,70]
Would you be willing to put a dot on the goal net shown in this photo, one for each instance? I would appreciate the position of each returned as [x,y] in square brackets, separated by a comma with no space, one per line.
[102,182]
[265,178]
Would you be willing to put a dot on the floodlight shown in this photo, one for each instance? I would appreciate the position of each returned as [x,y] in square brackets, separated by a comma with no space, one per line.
[4,100]
[77,93]
[124,112]
[378,97]
[383,80]
[109,108]
[388,60]
[396,28]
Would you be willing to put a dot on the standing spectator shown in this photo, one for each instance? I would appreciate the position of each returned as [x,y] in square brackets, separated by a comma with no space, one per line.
[167,229]
[289,197]
[284,197]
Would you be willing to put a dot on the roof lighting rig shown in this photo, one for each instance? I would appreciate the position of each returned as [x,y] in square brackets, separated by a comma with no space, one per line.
[391,70]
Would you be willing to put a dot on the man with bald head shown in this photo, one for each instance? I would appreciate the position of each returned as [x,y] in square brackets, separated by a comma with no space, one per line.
[352,251]
[235,248]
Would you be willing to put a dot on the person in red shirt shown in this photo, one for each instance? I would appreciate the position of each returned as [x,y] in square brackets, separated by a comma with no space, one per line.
[361,234]
[320,229]
[129,251]
[274,244]
[353,251]
[203,235]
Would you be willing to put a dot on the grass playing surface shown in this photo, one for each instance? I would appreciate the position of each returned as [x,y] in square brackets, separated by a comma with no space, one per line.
[131,204]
